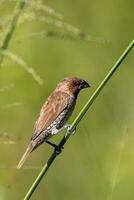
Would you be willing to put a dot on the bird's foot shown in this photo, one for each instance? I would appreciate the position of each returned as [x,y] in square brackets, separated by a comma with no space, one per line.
[69,132]
[58,149]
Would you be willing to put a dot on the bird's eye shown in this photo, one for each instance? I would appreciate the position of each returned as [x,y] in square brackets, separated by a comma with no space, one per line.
[76,83]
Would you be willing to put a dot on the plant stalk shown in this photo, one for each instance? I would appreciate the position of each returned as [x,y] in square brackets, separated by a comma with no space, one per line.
[78,119]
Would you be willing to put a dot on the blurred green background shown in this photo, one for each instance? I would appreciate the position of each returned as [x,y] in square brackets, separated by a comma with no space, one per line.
[98,162]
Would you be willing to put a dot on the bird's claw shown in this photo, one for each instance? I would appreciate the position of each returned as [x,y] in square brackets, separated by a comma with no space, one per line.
[58,150]
[69,132]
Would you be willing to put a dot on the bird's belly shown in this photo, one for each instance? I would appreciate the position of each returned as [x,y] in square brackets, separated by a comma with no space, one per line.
[55,126]
[58,123]
[52,129]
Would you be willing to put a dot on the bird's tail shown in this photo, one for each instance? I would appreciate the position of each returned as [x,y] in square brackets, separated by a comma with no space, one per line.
[29,149]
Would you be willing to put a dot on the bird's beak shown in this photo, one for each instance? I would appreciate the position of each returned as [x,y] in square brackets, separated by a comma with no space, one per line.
[83,84]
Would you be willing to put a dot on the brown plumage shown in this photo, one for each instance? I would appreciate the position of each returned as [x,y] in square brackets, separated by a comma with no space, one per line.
[54,113]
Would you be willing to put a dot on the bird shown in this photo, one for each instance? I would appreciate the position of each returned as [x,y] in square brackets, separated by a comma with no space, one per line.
[54,114]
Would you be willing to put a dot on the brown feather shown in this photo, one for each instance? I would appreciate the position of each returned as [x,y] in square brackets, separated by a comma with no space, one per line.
[55,104]
[29,149]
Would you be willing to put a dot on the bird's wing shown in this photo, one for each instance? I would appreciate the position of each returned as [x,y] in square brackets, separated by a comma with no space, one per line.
[55,104]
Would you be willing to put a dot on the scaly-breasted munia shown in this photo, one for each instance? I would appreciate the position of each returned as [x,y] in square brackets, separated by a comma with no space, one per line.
[54,113]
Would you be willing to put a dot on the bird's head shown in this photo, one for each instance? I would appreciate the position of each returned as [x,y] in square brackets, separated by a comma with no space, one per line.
[72,85]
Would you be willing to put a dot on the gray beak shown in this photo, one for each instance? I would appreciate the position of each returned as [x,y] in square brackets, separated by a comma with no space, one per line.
[83,84]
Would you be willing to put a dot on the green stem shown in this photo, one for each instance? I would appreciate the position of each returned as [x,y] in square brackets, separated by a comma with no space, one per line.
[78,119]
[102,84]
[11,27]
[40,176]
